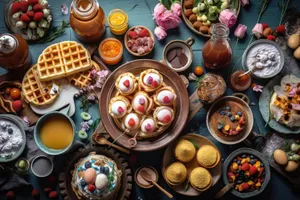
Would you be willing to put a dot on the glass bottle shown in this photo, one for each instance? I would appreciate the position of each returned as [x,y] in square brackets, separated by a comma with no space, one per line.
[14,52]
[87,19]
[217,51]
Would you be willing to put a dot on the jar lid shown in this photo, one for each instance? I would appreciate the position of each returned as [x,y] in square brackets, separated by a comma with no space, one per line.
[7,43]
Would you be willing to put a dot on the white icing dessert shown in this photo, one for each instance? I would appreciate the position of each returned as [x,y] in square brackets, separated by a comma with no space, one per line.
[152,80]
[140,103]
[126,84]
[164,115]
[148,125]
[165,97]
[119,109]
[132,121]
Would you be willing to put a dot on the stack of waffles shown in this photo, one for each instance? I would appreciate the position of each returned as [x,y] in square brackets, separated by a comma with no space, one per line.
[66,59]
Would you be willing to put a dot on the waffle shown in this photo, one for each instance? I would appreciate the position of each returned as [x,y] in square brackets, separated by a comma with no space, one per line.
[81,80]
[35,91]
[62,60]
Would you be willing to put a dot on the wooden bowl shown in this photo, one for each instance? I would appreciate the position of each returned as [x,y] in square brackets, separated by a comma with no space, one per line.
[140,184]
[126,38]
[212,120]
[169,158]
[171,78]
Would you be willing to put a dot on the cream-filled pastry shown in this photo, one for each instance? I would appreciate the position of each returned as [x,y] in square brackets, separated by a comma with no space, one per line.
[132,121]
[148,125]
[163,115]
[119,106]
[126,83]
[150,80]
[141,103]
[165,96]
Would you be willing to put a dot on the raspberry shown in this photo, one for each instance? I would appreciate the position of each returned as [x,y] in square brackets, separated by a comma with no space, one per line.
[141,108]
[37,7]
[131,122]
[53,194]
[132,34]
[167,119]
[245,186]
[148,127]
[32,2]
[38,16]
[35,193]
[271,37]
[280,29]
[25,18]
[144,33]
[126,83]
[17,105]
[120,109]
[150,79]
[253,170]
[10,195]
[265,25]
[24,6]
[91,187]
[166,99]
[245,166]
[154,84]
[30,13]
[15,7]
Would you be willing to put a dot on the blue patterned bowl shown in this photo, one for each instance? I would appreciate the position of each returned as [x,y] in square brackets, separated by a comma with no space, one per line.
[37,138]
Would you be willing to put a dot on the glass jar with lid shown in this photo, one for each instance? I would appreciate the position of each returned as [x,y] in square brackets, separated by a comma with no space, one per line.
[217,51]
[87,19]
[211,87]
[118,21]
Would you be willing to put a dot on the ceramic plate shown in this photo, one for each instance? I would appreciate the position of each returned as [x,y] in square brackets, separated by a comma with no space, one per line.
[169,158]
[171,78]
[264,107]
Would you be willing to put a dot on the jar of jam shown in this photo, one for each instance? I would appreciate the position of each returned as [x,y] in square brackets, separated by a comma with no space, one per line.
[118,21]
[217,51]
[211,87]
[87,19]
[239,82]
[111,51]
[14,52]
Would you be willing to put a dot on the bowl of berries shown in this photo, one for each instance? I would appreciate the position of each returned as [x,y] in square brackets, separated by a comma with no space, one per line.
[29,18]
[248,170]
[139,41]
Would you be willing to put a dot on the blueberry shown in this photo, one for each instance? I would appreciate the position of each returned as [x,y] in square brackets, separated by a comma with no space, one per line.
[10,131]
[222,112]
[82,182]
[238,162]
[229,114]
[88,165]
[239,113]
[252,161]
[227,108]
[244,156]
[232,118]
[106,170]
[101,169]
[251,156]
[220,126]
[234,160]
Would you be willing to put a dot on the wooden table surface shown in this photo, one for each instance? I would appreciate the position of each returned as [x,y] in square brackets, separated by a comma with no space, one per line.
[140,13]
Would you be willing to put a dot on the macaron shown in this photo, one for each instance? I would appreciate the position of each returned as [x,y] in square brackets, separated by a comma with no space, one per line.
[176,173]
[200,179]
[208,156]
[185,151]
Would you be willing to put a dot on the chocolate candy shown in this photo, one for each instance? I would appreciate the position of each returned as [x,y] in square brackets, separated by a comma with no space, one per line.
[177,57]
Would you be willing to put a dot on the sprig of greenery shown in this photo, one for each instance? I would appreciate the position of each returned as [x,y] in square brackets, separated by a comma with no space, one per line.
[263,5]
[95,124]
[194,143]
[55,32]
[283,6]
[186,185]
[198,81]
[85,103]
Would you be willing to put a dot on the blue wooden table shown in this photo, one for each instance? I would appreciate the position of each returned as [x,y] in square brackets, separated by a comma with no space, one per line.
[140,13]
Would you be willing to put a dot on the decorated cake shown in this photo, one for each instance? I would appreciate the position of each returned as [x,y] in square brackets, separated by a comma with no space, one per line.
[96,177]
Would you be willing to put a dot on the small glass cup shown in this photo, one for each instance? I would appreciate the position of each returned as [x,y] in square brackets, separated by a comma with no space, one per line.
[118,29]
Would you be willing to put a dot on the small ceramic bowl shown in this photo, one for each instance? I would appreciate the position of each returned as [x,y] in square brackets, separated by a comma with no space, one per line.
[126,38]
[42,166]
[141,184]
[187,49]
[37,138]
[255,153]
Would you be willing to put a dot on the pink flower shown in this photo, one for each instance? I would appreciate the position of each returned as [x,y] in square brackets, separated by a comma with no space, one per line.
[244,2]
[158,10]
[176,8]
[64,9]
[168,20]
[160,33]
[240,31]
[258,88]
[258,30]
[228,18]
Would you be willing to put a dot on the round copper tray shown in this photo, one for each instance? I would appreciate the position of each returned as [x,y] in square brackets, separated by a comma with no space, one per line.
[171,78]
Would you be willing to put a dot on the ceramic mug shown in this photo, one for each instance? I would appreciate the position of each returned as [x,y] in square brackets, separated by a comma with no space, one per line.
[187,50]
[37,138]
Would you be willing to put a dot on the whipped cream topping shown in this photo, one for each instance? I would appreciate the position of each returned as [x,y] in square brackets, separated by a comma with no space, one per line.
[164,115]
[148,125]
[132,121]
[126,84]
[165,97]
[119,108]
[7,44]
[151,78]
[140,103]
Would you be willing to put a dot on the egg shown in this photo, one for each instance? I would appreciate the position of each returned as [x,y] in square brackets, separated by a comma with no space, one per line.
[297,53]
[291,166]
[280,157]
[101,181]
[294,41]
[90,176]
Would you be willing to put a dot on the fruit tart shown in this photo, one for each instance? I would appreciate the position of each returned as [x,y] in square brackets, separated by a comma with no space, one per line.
[142,103]
[126,84]
[119,106]
[164,96]
[150,80]
[163,115]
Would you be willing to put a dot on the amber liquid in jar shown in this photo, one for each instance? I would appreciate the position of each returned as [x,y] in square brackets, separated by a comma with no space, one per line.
[87,19]
[14,52]
[217,51]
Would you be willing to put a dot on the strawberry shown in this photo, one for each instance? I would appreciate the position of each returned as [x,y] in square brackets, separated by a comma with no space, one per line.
[126,83]
[280,29]
[15,7]
[144,33]
[91,187]
[131,122]
[33,2]
[53,194]
[17,105]
[245,167]
[167,119]
[38,16]
[47,190]
[166,99]
[25,18]
[30,13]
[141,108]
[271,37]
[245,186]
[132,34]
[253,170]
[10,195]
[265,25]
[23,6]
[154,84]
[37,7]
[35,193]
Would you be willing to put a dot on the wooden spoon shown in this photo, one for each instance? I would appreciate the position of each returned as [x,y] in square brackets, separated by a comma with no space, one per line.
[224,190]
[148,178]
[103,141]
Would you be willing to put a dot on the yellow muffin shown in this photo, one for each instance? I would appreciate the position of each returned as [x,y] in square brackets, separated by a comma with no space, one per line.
[176,173]
[208,156]
[200,178]
[185,151]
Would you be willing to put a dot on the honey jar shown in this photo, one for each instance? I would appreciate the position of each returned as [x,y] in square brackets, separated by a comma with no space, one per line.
[118,21]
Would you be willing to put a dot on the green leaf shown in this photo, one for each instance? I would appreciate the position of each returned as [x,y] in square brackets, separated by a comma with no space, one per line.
[194,143]
[166,3]
[196,2]
[95,124]
[234,4]
[186,185]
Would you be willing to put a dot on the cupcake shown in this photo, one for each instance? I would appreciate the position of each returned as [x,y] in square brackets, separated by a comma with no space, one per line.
[142,103]
[208,156]
[131,122]
[185,151]
[119,106]
[165,96]
[150,80]
[126,83]
[176,173]
[200,179]
[163,115]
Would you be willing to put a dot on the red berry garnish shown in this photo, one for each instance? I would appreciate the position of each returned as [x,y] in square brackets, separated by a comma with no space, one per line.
[91,187]
[141,108]
[265,25]
[245,167]
[142,101]
[154,84]
[25,18]
[126,83]
[120,110]
[15,7]
[167,119]
[148,127]
[131,122]
[38,16]
[150,80]
[271,37]
[166,99]
[245,186]
[280,29]
[253,170]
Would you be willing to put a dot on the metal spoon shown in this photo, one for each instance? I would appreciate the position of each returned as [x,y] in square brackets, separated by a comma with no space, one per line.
[103,141]
[145,175]
[224,190]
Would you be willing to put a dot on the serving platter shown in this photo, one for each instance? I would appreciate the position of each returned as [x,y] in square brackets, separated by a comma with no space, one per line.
[264,107]
[169,158]
[171,78]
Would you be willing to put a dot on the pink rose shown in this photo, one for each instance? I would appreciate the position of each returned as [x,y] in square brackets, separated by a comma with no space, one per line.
[258,30]
[176,8]
[240,31]
[244,2]
[228,18]
[160,33]
[168,20]
[158,10]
